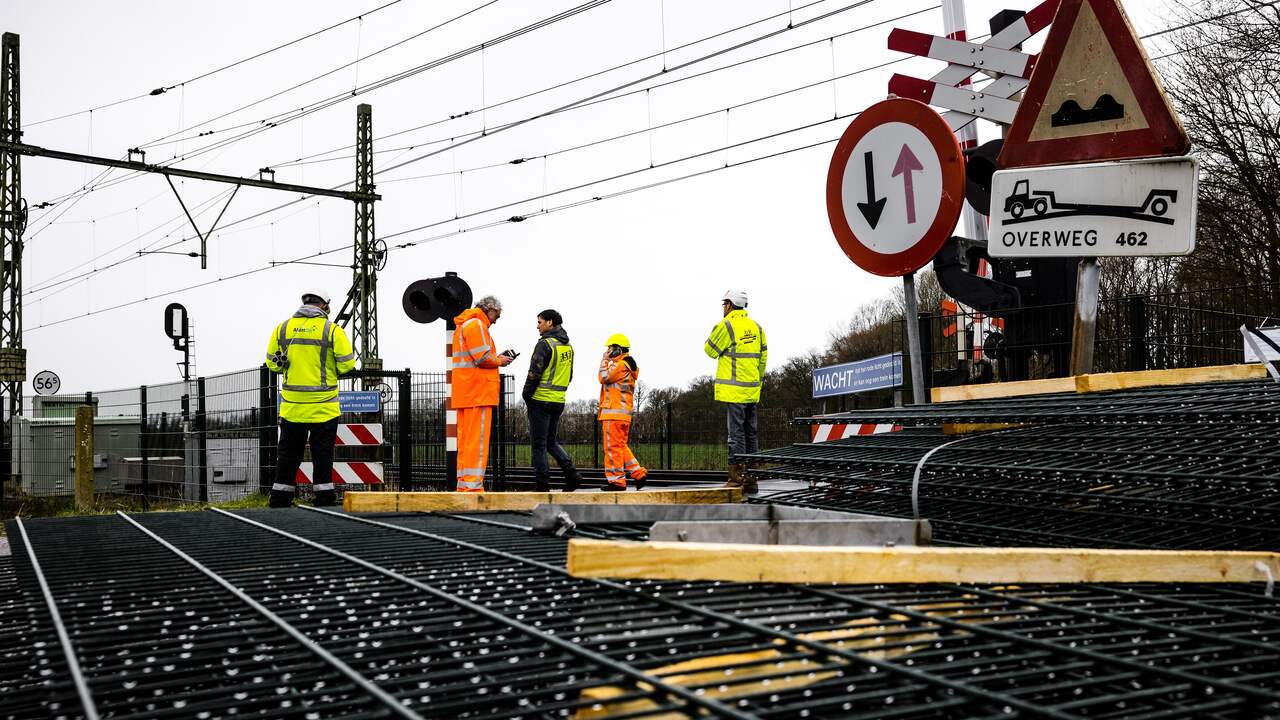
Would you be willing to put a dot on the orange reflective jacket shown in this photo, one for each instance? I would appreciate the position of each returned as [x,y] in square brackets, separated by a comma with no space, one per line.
[475,361]
[618,378]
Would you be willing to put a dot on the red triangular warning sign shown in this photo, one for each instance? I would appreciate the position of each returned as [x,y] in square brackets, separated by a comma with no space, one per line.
[1093,95]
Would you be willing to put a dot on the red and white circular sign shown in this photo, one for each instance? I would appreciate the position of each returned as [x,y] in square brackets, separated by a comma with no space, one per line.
[895,187]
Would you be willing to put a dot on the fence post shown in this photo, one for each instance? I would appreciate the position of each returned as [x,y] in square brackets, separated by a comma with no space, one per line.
[500,437]
[924,321]
[595,442]
[267,430]
[202,440]
[1138,358]
[144,465]
[84,457]
[667,435]
[404,409]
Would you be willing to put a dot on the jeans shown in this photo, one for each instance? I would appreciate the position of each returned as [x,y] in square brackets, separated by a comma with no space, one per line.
[293,440]
[742,429]
[544,420]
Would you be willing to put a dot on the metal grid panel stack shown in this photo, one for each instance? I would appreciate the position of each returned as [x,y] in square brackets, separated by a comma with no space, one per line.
[310,614]
[1179,468]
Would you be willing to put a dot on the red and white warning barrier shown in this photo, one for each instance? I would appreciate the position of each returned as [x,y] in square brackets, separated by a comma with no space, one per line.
[345,473]
[840,431]
[359,434]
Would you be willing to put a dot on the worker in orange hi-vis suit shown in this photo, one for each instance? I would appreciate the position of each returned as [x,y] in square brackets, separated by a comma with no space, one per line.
[618,377]
[475,388]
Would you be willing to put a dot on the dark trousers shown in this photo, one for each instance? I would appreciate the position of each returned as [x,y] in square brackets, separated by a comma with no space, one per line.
[544,421]
[293,440]
[742,429]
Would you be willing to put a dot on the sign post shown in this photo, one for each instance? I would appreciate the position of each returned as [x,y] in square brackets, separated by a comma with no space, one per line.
[895,189]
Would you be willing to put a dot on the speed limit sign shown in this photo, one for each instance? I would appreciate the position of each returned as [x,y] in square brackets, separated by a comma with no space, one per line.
[46,382]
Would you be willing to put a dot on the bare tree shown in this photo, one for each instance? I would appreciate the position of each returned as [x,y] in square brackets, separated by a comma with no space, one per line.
[1223,74]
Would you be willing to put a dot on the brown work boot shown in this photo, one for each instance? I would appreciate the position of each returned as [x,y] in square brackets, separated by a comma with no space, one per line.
[735,477]
[749,486]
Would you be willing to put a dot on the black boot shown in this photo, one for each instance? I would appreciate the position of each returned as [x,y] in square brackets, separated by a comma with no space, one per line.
[572,479]
[542,483]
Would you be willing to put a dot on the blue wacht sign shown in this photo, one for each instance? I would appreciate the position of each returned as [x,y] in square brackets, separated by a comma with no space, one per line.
[877,373]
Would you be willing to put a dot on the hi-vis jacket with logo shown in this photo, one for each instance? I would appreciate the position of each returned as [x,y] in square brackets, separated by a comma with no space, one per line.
[739,344]
[475,361]
[309,352]
[618,378]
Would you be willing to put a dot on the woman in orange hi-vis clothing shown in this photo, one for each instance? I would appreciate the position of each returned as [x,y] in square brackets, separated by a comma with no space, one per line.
[618,377]
[475,388]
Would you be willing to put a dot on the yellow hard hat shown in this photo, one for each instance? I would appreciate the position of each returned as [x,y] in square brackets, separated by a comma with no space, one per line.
[618,339]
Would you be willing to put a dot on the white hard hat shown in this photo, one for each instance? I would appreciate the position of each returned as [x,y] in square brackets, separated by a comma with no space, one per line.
[316,293]
[737,297]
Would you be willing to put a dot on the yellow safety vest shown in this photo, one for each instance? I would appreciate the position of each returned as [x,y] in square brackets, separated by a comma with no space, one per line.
[557,374]
[309,353]
[739,344]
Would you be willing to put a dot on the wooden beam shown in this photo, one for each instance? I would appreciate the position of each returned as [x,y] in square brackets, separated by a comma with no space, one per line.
[800,564]
[968,428]
[956,393]
[505,501]
[84,458]
[1155,378]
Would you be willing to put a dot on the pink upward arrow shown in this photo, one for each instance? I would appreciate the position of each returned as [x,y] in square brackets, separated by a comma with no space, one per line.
[907,164]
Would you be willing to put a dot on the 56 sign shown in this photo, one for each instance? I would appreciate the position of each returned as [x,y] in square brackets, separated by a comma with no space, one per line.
[46,382]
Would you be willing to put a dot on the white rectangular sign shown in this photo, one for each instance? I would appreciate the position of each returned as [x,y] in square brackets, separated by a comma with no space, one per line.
[1130,207]
[1267,352]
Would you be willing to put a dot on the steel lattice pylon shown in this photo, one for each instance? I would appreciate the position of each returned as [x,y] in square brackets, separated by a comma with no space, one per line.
[364,289]
[13,217]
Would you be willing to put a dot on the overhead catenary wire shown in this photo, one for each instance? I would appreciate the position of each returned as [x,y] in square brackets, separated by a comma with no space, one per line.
[532,199]
[597,98]
[553,193]
[160,90]
[265,124]
[620,96]
[406,245]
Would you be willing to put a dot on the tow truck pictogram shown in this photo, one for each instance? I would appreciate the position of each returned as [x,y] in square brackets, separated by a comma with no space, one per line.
[1044,205]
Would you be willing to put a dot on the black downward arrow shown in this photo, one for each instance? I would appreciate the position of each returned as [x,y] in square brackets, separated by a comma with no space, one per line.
[872,208]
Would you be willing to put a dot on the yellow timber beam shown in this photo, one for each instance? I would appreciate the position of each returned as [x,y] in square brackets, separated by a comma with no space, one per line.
[857,565]
[1100,382]
[504,501]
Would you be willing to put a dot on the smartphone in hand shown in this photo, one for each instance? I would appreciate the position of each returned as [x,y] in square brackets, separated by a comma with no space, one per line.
[511,353]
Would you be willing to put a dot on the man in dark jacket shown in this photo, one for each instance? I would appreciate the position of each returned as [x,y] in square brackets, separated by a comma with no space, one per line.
[550,371]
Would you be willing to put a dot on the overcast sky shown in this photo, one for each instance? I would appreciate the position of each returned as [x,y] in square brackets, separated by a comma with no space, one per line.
[651,264]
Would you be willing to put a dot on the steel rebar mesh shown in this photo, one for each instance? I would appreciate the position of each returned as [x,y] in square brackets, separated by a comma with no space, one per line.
[413,622]
[1244,402]
[1166,485]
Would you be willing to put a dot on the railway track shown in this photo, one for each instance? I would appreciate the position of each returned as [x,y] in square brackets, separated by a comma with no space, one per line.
[310,613]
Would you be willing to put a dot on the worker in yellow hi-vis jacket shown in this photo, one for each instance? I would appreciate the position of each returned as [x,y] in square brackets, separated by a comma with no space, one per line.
[310,352]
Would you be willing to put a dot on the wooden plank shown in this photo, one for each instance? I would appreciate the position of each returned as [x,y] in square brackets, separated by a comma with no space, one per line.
[1005,389]
[968,428]
[370,501]
[506,501]
[801,564]
[1101,382]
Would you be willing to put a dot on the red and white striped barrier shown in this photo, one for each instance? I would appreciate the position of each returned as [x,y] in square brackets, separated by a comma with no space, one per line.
[345,473]
[359,434]
[840,431]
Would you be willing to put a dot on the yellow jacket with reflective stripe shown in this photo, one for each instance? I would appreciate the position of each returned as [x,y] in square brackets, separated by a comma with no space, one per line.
[618,378]
[557,374]
[309,352]
[739,344]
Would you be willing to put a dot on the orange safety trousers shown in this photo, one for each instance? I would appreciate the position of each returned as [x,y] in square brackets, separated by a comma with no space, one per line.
[618,458]
[473,446]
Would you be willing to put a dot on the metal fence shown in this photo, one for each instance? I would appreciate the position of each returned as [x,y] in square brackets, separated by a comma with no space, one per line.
[1194,328]
[213,439]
